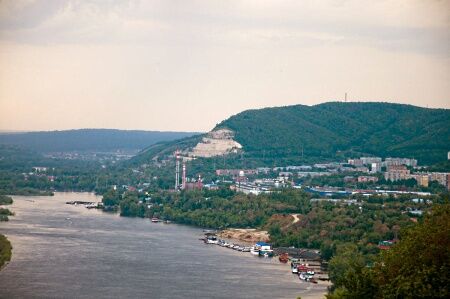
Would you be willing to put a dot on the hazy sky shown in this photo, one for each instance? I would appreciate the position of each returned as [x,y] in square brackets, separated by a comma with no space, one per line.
[186,65]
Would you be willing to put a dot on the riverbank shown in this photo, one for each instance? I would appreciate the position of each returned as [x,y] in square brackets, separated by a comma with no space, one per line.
[5,251]
[248,236]
[101,255]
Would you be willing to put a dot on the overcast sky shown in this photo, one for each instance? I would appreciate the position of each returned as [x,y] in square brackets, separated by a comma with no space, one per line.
[187,65]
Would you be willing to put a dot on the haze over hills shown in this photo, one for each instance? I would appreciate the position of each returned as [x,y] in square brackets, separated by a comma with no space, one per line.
[89,139]
[326,131]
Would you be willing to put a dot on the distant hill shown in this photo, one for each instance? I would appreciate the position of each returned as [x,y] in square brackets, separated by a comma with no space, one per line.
[88,139]
[336,128]
[296,134]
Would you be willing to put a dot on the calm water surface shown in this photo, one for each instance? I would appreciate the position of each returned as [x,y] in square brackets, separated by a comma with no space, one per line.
[65,251]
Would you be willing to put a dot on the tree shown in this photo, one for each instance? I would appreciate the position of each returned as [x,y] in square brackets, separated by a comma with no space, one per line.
[348,272]
[418,266]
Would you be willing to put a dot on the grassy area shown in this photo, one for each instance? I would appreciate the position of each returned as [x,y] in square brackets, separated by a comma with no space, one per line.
[5,250]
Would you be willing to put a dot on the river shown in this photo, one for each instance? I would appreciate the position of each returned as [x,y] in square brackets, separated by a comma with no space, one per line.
[65,251]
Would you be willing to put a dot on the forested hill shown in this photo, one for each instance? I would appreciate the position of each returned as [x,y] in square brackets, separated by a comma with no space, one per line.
[88,139]
[343,129]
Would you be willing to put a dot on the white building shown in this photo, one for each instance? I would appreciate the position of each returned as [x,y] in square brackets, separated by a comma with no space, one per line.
[370,160]
[376,167]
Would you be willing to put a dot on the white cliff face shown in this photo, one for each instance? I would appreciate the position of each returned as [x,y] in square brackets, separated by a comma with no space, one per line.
[216,143]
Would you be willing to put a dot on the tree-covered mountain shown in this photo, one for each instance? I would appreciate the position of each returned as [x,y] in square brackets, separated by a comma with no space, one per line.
[344,129]
[296,134]
[88,139]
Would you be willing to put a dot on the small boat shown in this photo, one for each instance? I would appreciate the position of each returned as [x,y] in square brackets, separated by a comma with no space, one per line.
[254,251]
[155,220]
[266,253]
[212,240]
[284,258]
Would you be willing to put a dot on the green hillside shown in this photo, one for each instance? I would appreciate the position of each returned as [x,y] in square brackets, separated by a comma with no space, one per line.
[344,129]
[305,134]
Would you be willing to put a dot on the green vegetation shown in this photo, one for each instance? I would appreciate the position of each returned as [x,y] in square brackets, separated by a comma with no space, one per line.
[327,225]
[5,200]
[443,166]
[322,225]
[418,266]
[215,209]
[4,213]
[17,176]
[300,134]
[5,250]
[337,129]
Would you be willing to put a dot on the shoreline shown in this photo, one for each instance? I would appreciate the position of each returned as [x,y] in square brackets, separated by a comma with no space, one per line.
[5,251]
[145,234]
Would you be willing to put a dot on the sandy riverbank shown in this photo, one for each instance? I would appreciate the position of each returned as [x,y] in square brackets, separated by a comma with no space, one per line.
[247,236]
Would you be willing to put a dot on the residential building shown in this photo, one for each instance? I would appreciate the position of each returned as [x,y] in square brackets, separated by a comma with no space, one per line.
[422,179]
[376,167]
[355,162]
[397,172]
[370,160]
[302,174]
[300,168]
[400,161]
[367,179]
[440,177]
[362,169]
[264,170]
[235,172]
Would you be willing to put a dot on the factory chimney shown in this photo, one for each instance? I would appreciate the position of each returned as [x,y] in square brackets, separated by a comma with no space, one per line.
[183,184]
[177,170]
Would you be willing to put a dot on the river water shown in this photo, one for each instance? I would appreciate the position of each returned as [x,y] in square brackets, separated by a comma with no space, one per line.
[65,251]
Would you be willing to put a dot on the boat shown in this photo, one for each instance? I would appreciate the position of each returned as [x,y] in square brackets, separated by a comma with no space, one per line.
[266,253]
[264,249]
[254,251]
[211,240]
[155,220]
[283,258]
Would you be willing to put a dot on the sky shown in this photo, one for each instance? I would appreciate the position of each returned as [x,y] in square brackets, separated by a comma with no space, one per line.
[187,65]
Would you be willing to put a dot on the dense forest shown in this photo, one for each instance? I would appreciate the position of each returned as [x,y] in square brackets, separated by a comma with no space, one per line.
[325,132]
[418,266]
[339,129]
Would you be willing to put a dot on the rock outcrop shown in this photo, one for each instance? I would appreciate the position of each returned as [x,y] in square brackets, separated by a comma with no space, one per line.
[216,143]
